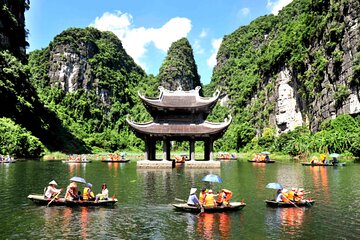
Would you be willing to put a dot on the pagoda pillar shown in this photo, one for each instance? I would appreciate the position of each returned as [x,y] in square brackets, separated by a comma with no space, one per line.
[165,148]
[211,150]
[192,150]
[152,149]
[168,149]
[206,150]
[146,153]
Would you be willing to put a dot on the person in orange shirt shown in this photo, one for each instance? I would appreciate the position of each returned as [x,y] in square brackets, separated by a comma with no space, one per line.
[209,199]
[228,195]
[202,196]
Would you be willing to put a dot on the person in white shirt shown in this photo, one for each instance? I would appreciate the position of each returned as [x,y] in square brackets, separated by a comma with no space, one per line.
[51,190]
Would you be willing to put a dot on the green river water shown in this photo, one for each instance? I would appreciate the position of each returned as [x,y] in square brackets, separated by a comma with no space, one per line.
[144,210]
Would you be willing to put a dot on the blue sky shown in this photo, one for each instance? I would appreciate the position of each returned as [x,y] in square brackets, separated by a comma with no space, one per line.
[148,27]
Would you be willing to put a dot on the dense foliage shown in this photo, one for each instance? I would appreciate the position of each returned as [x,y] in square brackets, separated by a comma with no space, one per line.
[305,33]
[95,113]
[17,141]
[48,116]
[179,68]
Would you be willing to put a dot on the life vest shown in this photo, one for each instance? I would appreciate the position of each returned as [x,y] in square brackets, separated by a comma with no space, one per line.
[285,197]
[291,195]
[209,200]
[228,197]
[202,197]
[221,197]
[88,194]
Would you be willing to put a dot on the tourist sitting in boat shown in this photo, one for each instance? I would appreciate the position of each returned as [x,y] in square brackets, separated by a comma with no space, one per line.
[51,190]
[179,159]
[301,194]
[209,199]
[256,157]
[71,192]
[267,158]
[88,194]
[323,159]
[334,161]
[104,195]
[202,196]
[314,160]
[292,194]
[193,200]
[282,196]
[221,198]
[228,195]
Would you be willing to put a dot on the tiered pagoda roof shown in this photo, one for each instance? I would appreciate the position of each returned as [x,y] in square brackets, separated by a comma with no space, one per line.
[179,114]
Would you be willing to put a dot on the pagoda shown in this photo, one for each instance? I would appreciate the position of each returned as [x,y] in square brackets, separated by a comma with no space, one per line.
[179,116]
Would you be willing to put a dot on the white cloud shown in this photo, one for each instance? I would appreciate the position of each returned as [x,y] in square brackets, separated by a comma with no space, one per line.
[135,40]
[203,33]
[197,47]
[243,12]
[211,62]
[276,6]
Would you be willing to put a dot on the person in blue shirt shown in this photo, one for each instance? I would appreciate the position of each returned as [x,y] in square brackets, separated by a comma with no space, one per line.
[193,200]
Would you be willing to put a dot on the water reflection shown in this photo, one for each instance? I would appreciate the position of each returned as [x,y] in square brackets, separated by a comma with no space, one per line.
[214,225]
[320,182]
[284,220]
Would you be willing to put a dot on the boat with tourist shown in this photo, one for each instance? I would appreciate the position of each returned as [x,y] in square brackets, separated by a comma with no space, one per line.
[324,164]
[301,203]
[115,161]
[226,156]
[7,159]
[262,161]
[233,206]
[41,200]
[76,159]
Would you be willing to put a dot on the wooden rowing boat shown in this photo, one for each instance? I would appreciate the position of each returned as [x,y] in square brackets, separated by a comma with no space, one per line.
[322,164]
[262,161]
[41,200]
[234,206]
[11,161]
[115,161]
[76,161]
[301,203]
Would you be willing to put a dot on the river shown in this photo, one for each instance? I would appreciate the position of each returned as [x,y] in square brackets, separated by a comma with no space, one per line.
[144,210]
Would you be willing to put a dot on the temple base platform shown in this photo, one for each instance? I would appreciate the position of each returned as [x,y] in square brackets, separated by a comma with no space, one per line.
[172,164]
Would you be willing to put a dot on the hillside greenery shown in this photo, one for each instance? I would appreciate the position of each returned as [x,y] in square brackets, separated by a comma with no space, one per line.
[306,32]
[179,68]
[40,115]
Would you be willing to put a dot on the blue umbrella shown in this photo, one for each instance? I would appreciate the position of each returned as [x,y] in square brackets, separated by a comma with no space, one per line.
[265,152]
[334,155]
[212,178]
[78,179]
[274,185]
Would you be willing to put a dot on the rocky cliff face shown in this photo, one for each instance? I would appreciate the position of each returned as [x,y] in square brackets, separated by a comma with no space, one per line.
[179,70]
[69,67]
[305,79]
[337,93]
[12,27]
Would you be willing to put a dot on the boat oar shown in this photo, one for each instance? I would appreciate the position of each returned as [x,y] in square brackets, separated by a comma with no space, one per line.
[292,202]
[180,200]
[54,198]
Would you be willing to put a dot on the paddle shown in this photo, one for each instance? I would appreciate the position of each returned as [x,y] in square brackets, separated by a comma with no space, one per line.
[180,200]
[291,202]
[54,198]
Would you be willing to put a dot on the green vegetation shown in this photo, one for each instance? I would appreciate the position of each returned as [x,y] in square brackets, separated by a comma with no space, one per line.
[44,114]
[17,141]
[179,67]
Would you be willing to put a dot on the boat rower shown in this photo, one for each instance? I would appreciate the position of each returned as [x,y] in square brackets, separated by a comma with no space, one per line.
[51,191]
[193,200]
